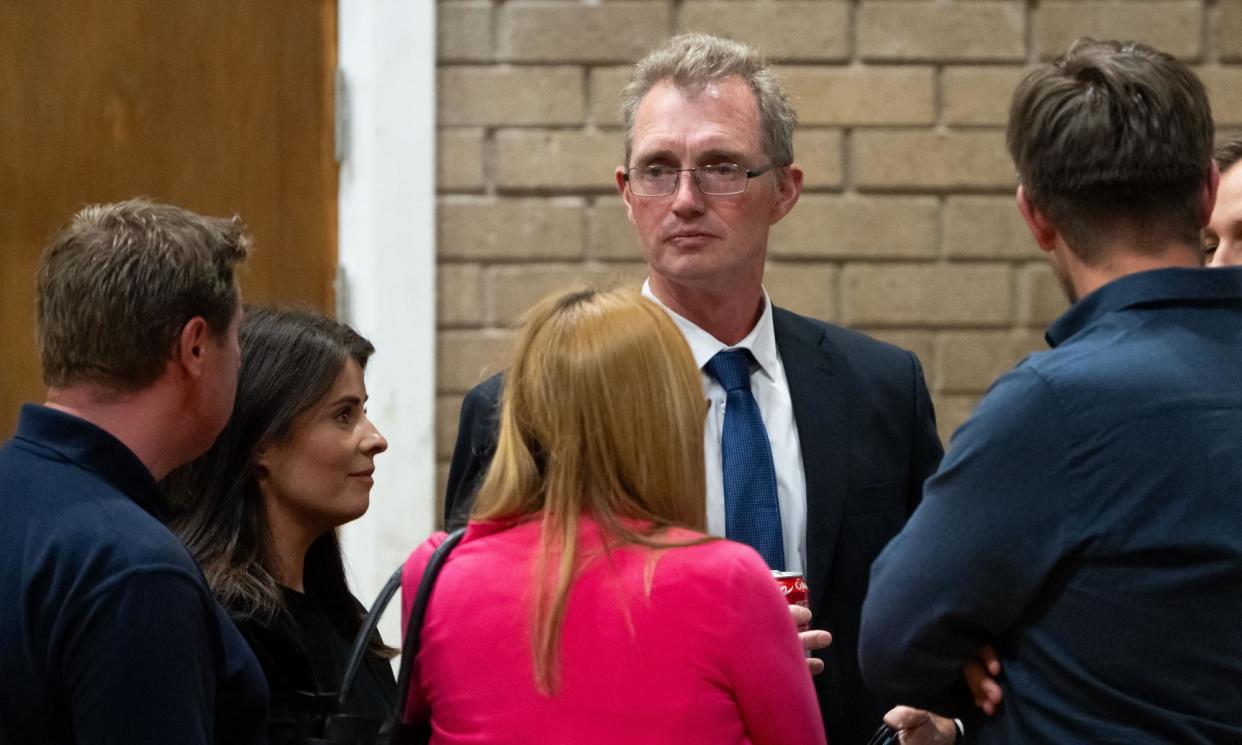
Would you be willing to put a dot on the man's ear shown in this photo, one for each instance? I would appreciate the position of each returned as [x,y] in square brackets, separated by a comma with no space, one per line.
[191,346]
[1208,197]
[626,196]
[788,189]
[1043,231]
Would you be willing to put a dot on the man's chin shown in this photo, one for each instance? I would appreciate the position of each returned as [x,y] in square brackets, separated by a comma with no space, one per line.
[690,271]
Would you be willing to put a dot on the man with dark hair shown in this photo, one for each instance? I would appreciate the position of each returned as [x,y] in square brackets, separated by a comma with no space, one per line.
[817,439]
[109,632]
[1222,238]
[1083,529]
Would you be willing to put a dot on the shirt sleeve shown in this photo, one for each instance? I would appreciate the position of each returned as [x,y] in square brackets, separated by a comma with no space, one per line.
[138,662]
[766,664]
[994,521]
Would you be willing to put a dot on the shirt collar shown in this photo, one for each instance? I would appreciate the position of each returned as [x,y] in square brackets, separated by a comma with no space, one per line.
[1172,285]
[84,444]
[761,341]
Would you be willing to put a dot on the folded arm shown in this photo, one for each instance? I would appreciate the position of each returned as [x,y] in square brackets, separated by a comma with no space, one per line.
[993,523]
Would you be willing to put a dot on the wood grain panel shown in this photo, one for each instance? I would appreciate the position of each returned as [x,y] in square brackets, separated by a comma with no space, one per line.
[220,106]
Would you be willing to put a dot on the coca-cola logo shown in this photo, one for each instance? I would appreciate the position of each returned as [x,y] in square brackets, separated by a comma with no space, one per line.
[790,586]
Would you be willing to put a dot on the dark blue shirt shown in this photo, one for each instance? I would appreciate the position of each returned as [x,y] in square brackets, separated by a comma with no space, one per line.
[1087,521]
[108,631]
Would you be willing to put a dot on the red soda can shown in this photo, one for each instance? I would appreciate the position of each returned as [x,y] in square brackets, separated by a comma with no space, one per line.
[793,587]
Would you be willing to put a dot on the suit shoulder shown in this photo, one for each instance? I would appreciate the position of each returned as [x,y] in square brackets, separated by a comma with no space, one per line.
[487,392]
[854,345]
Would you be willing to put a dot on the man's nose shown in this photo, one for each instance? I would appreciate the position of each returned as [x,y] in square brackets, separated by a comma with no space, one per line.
[687,197]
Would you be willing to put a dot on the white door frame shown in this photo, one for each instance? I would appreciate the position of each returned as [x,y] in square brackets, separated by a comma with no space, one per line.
[386,283]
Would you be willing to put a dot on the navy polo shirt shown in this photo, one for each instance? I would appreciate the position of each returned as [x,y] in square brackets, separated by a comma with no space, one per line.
[1087,521]
[108,630]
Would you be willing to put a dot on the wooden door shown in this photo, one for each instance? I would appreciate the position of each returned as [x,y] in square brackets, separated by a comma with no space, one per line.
[220,106]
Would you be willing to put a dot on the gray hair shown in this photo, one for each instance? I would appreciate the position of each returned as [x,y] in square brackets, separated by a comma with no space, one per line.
[692,61]
[120,281]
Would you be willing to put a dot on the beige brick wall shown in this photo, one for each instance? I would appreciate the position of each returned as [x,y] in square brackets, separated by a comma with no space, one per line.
[906,229]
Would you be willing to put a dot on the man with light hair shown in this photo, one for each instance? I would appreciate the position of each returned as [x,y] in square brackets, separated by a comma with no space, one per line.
[108,631]
[817,439]
[1084,528]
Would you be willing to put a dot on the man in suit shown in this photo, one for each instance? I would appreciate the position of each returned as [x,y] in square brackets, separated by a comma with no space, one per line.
[841,423]
[1085,524]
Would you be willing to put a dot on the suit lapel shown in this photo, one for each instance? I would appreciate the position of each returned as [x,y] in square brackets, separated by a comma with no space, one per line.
[817,390]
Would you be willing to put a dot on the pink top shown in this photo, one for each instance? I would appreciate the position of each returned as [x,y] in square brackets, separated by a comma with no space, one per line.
[709,654]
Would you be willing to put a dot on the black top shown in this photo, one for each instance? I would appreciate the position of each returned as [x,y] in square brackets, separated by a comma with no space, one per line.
[108,630]
[304,656]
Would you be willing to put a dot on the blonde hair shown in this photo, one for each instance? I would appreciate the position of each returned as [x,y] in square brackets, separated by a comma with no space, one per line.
[601,415]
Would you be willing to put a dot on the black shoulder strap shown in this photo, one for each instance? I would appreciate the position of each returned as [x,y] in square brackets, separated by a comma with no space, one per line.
[362,639]
[409,649]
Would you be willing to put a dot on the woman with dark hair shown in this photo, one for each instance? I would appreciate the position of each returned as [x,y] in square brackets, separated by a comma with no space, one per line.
[260,511]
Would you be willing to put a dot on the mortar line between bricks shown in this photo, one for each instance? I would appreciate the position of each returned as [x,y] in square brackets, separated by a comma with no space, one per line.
[838,284]
[1032,54]
[851,34]
[490,157]
[871,62]
[487,304]
[493,28]
[1015,287]
[938,112]
[1207,18]
[847,160]
[942,250]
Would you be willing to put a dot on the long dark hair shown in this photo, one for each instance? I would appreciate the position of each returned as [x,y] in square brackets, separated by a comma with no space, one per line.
[289,360]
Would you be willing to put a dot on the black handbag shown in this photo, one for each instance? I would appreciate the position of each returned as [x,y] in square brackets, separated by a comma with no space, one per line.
[395,731]
[339,728]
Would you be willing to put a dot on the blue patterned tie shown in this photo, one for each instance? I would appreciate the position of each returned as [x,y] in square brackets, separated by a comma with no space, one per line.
[752,514]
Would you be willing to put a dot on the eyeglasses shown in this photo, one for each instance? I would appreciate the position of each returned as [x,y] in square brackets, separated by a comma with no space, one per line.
[715,180]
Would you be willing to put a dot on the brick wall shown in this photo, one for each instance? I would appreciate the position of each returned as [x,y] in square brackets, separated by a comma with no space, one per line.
[907,227]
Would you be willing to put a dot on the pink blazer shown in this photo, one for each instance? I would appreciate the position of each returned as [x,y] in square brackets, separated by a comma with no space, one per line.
[685,645]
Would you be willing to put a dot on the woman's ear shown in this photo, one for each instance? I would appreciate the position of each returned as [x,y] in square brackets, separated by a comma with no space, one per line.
[260,463]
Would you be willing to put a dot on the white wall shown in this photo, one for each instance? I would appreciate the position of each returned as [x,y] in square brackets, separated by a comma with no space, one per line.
[386,287]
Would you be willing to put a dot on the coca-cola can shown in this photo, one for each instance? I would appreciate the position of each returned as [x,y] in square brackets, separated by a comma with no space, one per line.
[793,587]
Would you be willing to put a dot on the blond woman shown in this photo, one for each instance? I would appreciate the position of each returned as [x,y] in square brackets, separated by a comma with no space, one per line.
[585,604]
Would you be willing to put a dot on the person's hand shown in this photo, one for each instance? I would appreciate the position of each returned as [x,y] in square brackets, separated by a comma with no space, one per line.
[981,672]
[811,640]
[919,727]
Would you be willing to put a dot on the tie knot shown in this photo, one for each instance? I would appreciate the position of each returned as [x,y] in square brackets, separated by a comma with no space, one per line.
[730,368]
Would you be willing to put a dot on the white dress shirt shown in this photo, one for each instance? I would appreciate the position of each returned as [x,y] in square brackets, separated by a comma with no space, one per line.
[771,391]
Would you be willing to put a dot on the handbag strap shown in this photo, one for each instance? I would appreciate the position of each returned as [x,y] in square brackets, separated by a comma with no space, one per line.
[362,640]
[410,647]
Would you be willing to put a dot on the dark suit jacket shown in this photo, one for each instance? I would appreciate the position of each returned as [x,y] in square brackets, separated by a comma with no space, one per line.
[868,438]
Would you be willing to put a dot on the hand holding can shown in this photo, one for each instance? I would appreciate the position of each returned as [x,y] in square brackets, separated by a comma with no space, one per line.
[793,587]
